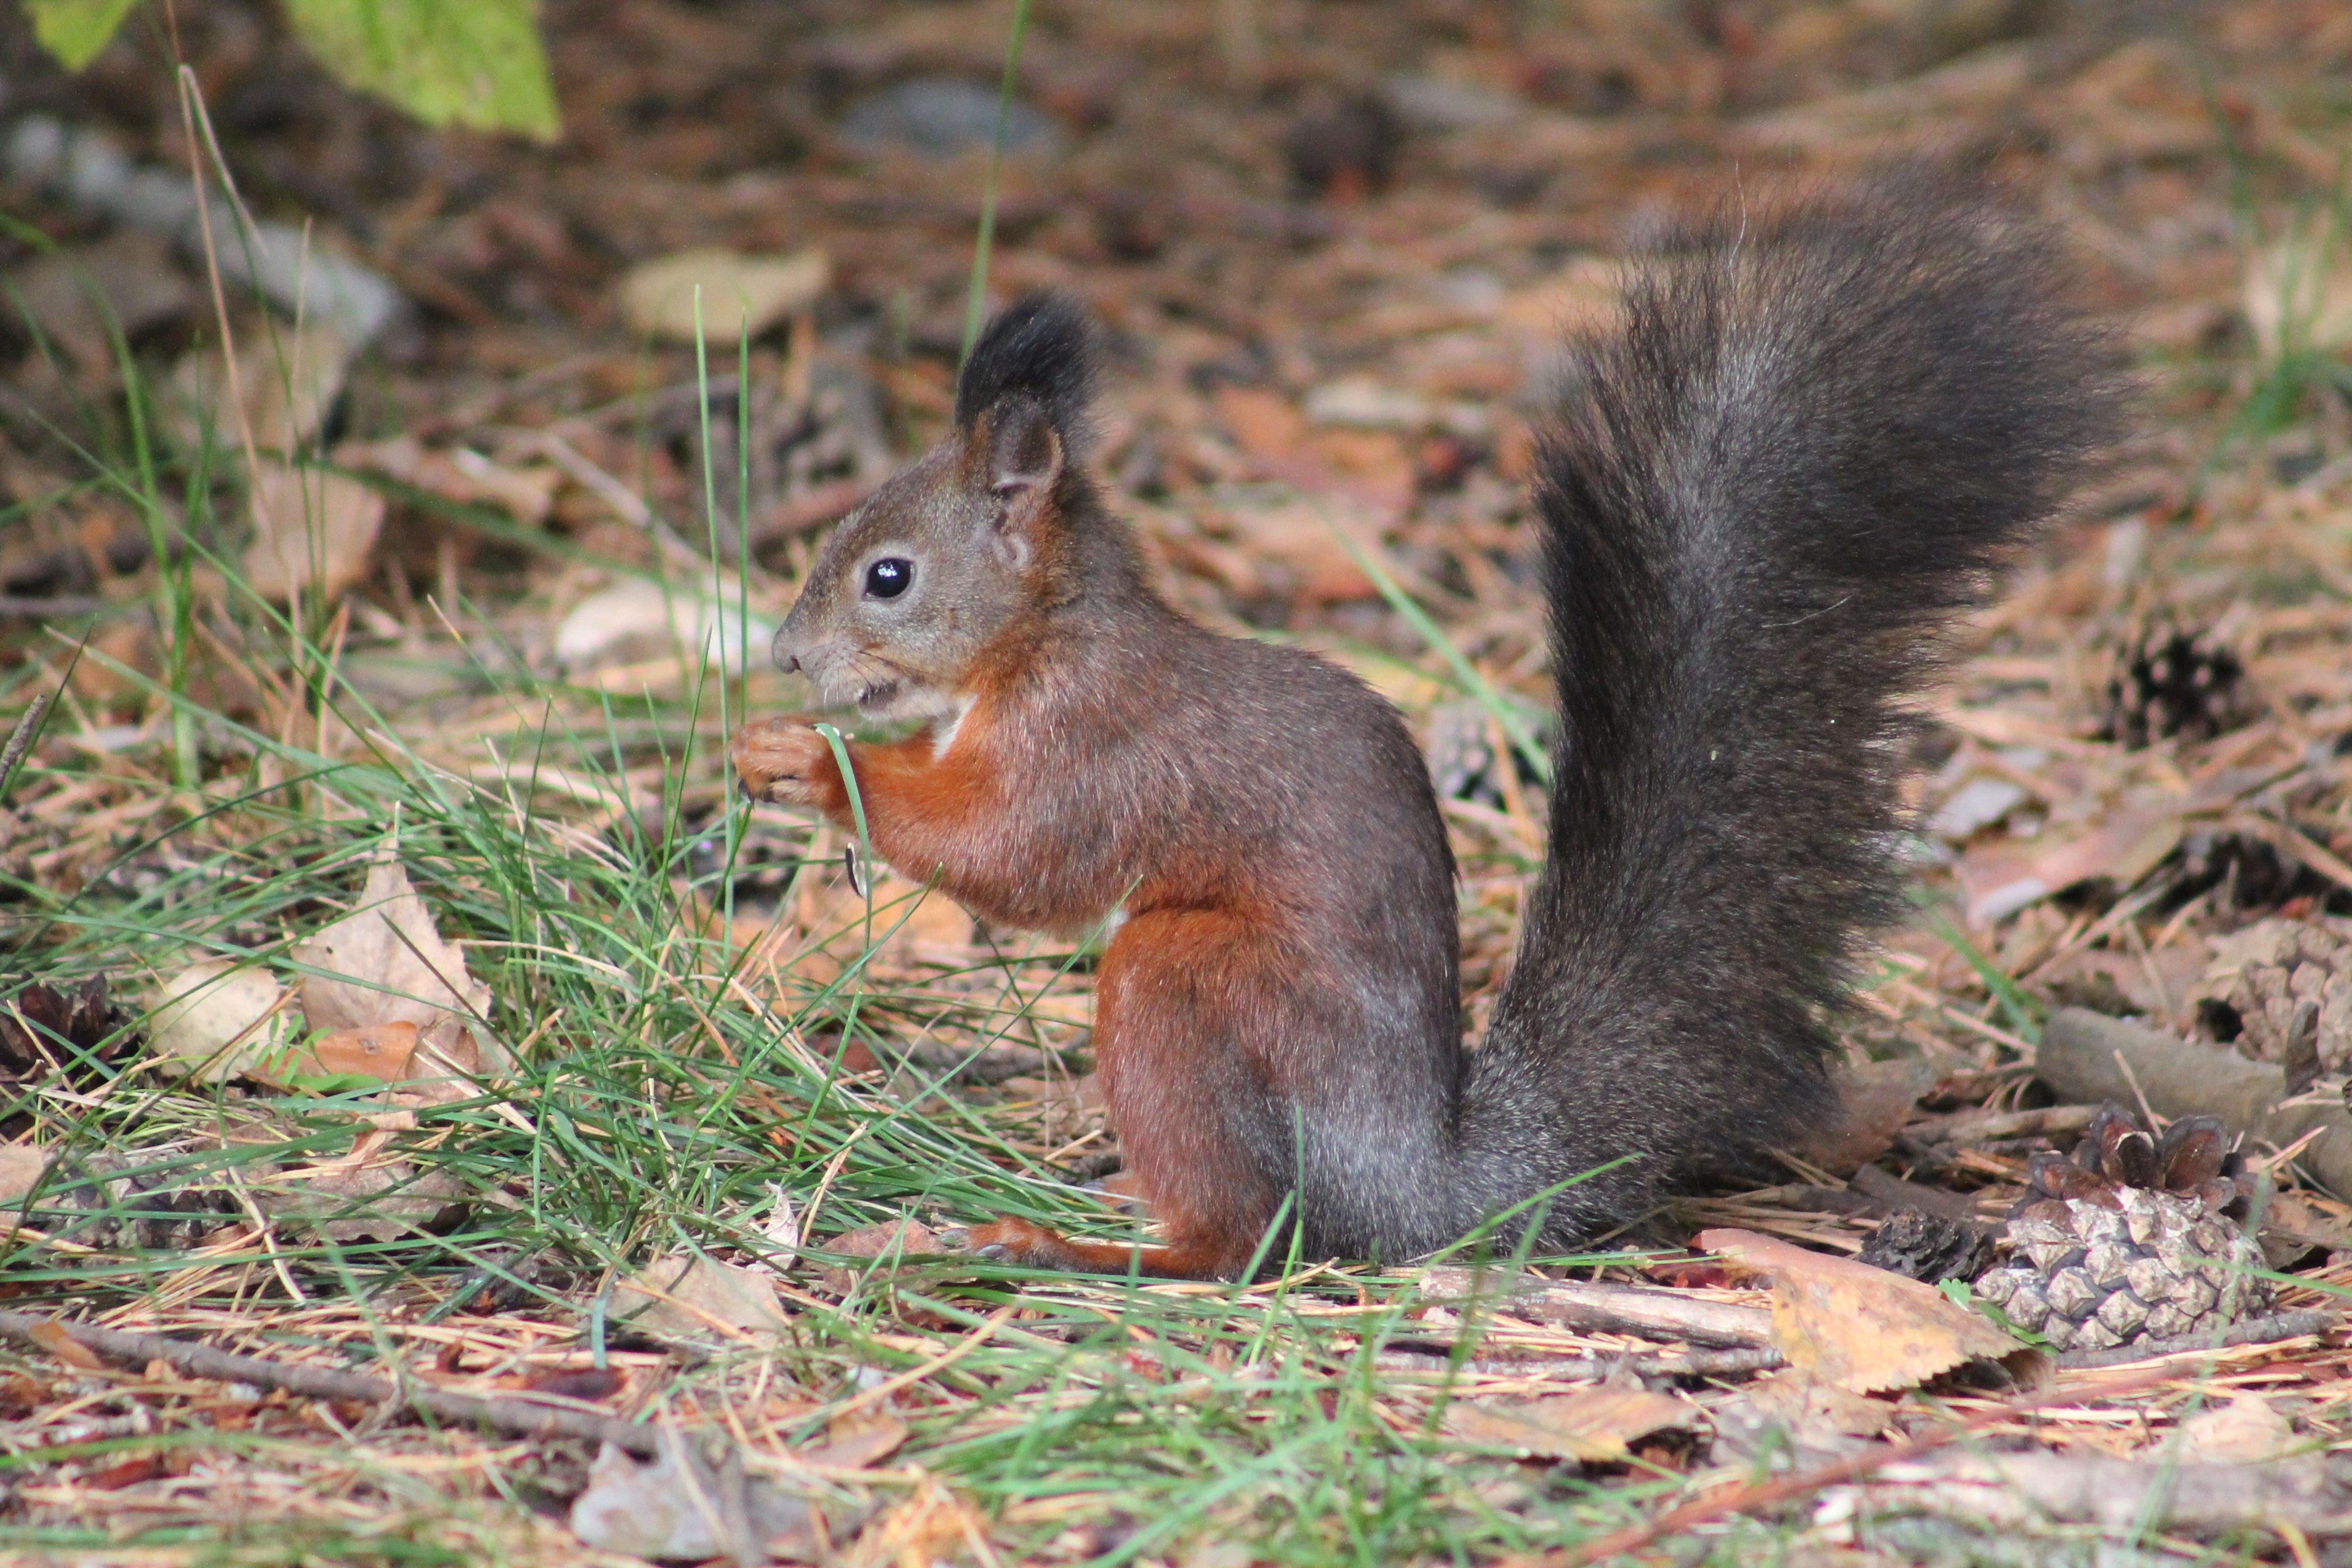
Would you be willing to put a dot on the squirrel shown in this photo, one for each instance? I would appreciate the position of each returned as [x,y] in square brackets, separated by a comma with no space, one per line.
[1804,444]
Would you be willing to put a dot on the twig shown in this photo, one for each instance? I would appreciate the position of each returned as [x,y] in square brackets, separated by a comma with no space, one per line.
[517,1415]
[1750,1496]
[1580,1368]
[1607,1308]
[2252,1332]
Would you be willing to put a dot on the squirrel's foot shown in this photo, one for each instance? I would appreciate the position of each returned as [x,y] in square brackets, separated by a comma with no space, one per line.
[1027,1245]
[783,760]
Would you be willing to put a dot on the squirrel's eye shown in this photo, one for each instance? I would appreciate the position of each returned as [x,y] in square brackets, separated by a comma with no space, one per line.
[889,577]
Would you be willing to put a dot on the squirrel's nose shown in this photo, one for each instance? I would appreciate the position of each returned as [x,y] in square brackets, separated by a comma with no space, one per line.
[783,653]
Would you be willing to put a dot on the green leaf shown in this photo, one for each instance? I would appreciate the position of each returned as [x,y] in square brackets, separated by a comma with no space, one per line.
[470,62]
[75,30]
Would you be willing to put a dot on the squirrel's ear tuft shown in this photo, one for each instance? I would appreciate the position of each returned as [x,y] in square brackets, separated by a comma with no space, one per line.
[1041,348]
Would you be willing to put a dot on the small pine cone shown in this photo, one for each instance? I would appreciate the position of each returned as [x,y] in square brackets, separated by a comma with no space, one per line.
[2286,987]
[1927,1247]
[1461,761]
[2169,682]
[2131,1238]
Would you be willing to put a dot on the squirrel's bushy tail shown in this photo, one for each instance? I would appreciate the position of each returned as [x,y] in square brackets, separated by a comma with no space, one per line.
[1809,439]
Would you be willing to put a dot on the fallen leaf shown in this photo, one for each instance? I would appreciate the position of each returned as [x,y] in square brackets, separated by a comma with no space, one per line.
[1815,1412]
[679,1505]
[288,382]
[1265,425]
[373,1050]
[2000,878]
[21,1165]
[892,1239]
[1861,1328]
[740,293]
[1290,547]
[854,1445]
[689,1296]
[929,1526]
[588,1383]
[459,475]
[2248,1430]
[51,1336]
[384,963]
[1875,1100]
[313,531]
[216,1018]
[1595,1425]
[635,620]
[374,1202]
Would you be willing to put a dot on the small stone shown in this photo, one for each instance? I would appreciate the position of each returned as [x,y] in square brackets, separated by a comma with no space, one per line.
[940,117]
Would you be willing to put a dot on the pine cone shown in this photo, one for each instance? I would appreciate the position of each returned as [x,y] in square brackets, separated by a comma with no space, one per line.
[1927,1247]
[2263,977]
[1461,761]
[2170,682]
[42,1030]
[2132,1238]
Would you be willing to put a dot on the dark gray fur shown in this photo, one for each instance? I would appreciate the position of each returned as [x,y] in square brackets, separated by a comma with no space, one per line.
[1809,442]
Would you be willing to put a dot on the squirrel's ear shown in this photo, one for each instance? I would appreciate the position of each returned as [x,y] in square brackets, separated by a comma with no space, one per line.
[1039,350]
[1023,456]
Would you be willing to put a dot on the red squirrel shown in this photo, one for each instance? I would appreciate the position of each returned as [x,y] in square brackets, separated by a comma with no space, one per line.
[1807,439]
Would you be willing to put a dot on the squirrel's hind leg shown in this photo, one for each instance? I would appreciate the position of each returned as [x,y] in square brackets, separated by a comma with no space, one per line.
[1034,1246]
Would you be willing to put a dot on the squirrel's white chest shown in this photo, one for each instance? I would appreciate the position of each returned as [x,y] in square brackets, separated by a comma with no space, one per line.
[943,731]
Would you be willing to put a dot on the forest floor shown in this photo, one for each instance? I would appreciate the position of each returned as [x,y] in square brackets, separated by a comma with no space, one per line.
[399,988]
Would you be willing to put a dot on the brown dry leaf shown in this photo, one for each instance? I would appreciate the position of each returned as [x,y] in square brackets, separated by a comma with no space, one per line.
[930,1526]
[893,1239]
[854,1445]
[384,963]
[2248,1430]
[1814,1410]
[313,532]
[1265,425]
[52,1337]
[740,293]
[459,475]
[21,1165]
[217,1019]
[288,380]
[1288,549]
[357,1199]
[1595,1424]
[2001,877]
[1876,1099]
[677,1506]
[1862,1328]
[376,1050]
[686,1296]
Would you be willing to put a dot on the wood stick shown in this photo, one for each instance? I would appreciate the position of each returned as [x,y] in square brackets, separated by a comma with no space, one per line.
[1747,1497]
[1582,1368]
[519,1417]
[1604,1309]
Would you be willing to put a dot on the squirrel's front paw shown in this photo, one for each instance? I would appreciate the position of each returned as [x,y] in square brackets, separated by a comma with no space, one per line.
[783,760]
